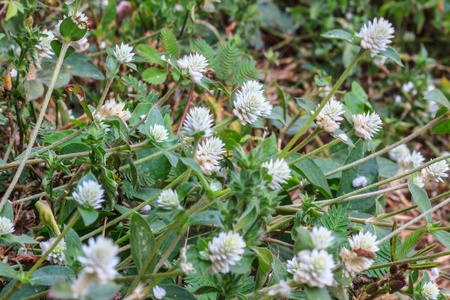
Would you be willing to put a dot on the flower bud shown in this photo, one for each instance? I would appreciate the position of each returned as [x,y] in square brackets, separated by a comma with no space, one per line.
[396,285]
[46,216]
[372,288]
[393,269]
[404,266]
[29,21]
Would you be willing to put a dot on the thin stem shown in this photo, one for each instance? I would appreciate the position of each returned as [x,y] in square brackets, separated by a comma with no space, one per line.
[324,102]
[225,122]
[304,142]
[167,252]
[409,260]
[188,104]
[106,90]
[150,276]
[416,219]
[318,150]
[386,149]
[47,98]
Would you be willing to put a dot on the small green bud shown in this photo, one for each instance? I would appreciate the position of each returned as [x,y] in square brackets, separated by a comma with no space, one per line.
[46,216]
[29,21]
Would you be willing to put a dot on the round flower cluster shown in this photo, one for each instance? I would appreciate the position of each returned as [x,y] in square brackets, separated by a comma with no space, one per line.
[193,65]
[404,158]
[208,155]
[376,35]
[250,103]
[430,291]
[329,117]
[199,119]
[89,194]
[434,172]
[6,226]
[279,170]
[363,247]
[224,251]
[366,125]
[123,53]
[158,133]
[57,255]
[111,108]
[44,48]
[168,200]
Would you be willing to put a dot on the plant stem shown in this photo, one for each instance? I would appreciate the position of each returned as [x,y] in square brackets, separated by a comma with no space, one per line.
[318,150]
[304,142]
[167,252]
[105,91]
[150,276]
[413,259]
[416,219]
[386,149]
[188,104]
[225,122]
[324,101]
[47,98]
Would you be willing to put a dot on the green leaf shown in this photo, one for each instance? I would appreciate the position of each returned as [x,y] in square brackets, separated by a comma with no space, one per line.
[80,65]
[154,75]
[308,106]
[122,128]
[7,211]
[8,271]
[149,54]
[308,169]
[314,293]
[265,260]
[169,42]
[437,96]
[74,148]
[336,219]
[442,127]
[443,237]
[45,76]
[107,26]
[73,245]
[12,10]
[57,46]
[393,55]
[356,101]
[89,215]
[269,146]
[142,242]
[158,168]
[195,168]
[227,57]
[176,292]
[410,241]
[303,240]
[205,49]
[71,31]
[48,275]
[78,91]
[10,239]
[421,199]
[185,189]
[33,89]
[339,35]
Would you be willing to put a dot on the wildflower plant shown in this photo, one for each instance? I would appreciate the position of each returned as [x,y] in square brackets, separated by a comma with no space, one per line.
[187,173]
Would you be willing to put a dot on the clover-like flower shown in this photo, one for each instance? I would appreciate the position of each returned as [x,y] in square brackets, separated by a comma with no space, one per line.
[399,152]
[6,226]
[158,133]
[282,289]
[430,291]
[168,200]
[89,194]
[44,48]
[321,237]
[292,265]
[436,171]
[208,155]
[57,256]
[376,35]
[224,251]
[199,119]
[279,170]
[123,53]
[329,117]
[111,108]
[159,292]
[315,268]
[360,257]
[366,125]
[250,103]
[193,65]
[100,261]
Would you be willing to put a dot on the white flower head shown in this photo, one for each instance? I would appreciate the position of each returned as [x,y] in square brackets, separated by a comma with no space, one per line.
[430,291]
[82,21]
[6,226]
[322,238]
[432,108]
[89,194]
[325,90]
[111,108]
[397,153]
[434,274]
[57,255]
[436,171]
[281,289]
[315,268]
[333,109]
[168,200]
[292,265]
[360,181]
[354,260]
[223,251]
[159,292]
[376,35]
[193,65]
[366,125]
[199,119]
[409,88]
[250,103]
[208,155]
[100,261]
[158,133]
[123,53]
[418,180]
[415,158]
[138,294]
[44,48]
[279,170]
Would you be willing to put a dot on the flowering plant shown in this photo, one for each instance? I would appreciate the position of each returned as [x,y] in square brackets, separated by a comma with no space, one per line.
[183,179]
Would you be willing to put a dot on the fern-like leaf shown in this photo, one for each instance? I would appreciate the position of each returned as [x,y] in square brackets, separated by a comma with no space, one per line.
[246,69]
[206,50]
[228,56]
[137,85]
[383,256]
[169,42]
[336,220]
[149,54]
[144,179]
[410,242]
[196,282]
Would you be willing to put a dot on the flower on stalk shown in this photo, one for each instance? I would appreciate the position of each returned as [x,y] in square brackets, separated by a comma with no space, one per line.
[44,49]
[292,265]
[57,255]
[366,125]
[159,292]
[199,119]
[100,261]
[168,200]
[193,66]
[208,155]
[158,133]
[79,18]
[376,35]
[360,181]
[329,117]
[315,268]
[224,251]
[123,53]
[360,257]
[434,274]
[6,226]
[282,289]
[436,171]
[279,170]
[399,152]
[89,194]
[418,180]
[110,109]
[415,158]
[250,103]
[321,237]
[430,291]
